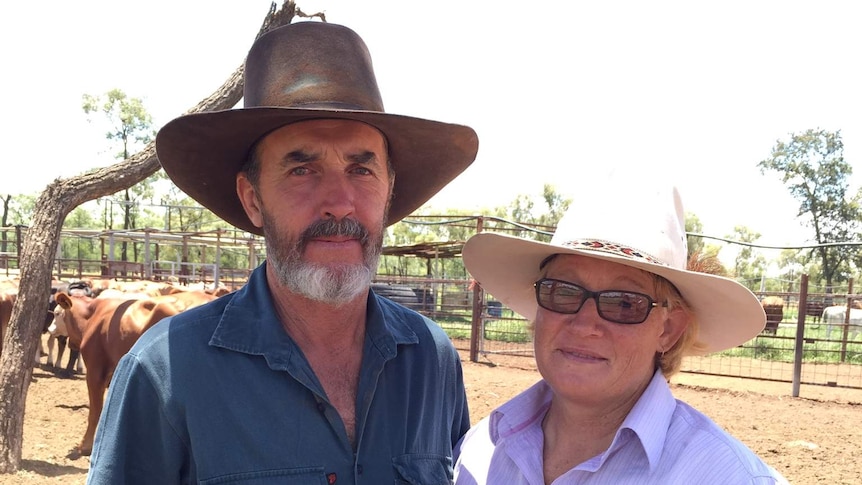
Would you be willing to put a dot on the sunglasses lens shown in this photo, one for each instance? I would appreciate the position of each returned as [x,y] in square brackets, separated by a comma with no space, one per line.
[624,307]
[559,297]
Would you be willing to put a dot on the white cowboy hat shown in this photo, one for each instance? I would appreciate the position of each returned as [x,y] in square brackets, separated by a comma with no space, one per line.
[642,227]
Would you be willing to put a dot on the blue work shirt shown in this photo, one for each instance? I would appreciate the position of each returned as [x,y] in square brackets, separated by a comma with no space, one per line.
[220,394]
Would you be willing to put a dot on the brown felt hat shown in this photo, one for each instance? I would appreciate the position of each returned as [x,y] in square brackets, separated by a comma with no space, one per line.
[305,71]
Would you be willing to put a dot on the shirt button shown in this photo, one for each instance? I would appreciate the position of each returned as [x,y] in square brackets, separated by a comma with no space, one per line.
[359,469]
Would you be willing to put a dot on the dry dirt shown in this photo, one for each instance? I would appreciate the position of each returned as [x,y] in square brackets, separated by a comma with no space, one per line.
[813,439]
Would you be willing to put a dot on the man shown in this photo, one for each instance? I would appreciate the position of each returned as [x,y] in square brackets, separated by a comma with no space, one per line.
[304,375]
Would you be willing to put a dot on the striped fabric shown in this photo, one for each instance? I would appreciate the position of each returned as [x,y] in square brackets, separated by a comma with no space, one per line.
[662,441]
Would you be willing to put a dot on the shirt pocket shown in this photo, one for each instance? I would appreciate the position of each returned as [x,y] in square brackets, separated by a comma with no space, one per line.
[285,476]
[422,469]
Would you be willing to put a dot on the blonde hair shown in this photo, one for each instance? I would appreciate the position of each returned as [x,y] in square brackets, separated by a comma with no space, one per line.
[670,360]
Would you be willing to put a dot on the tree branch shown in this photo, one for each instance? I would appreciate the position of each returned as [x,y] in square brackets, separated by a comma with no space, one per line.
[58,199]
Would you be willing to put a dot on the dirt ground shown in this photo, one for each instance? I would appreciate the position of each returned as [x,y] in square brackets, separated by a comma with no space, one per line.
[813,439]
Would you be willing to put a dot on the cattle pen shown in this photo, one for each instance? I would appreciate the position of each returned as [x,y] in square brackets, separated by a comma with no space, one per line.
[796,347]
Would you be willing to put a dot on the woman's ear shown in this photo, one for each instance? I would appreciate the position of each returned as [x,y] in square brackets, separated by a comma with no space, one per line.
[675,324]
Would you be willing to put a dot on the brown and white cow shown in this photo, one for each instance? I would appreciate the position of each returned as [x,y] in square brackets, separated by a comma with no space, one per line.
[106,329]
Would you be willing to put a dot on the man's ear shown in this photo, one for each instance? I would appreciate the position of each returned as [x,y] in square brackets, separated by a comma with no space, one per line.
[250,201]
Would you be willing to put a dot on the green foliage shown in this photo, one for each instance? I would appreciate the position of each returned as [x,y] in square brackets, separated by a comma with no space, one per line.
[130,125]
[693,225]
[792,263]
[520,218]
[520,209]
[556,204]
[781,347]
[184,214]
[812,166]
[81,248]
[129,122]
[511,331]
[748,267]
[20,209]
[80,218]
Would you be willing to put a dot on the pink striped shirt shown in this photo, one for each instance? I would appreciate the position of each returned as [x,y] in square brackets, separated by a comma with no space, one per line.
[662,441]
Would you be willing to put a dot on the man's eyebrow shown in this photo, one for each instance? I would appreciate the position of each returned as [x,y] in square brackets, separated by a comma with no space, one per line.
[363,157]
[299,156]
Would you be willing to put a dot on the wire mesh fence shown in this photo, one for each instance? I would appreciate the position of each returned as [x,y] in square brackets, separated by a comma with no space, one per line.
[809,338]
[828,352]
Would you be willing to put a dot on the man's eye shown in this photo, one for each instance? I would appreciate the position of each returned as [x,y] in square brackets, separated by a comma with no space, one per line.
[299,171]
[362,171]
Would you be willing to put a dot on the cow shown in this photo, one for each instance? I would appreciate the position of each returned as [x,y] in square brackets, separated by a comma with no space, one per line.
[60,338]
[773,306]
[835,315]
[8,295]
[106,329]
[57,332]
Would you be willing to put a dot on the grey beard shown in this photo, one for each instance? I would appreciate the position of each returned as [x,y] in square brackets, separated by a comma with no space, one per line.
[334,285]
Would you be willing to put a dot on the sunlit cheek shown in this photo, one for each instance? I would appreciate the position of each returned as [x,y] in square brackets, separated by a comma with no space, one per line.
[635,351]
[551,330]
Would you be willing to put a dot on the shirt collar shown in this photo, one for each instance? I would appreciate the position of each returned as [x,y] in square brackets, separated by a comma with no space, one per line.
[650,419]
[520,412]
[251,325]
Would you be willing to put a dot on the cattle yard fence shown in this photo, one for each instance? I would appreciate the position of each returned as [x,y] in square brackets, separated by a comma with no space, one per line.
[797,346]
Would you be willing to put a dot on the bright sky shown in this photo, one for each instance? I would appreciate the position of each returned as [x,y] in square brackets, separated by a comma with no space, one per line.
[559,92]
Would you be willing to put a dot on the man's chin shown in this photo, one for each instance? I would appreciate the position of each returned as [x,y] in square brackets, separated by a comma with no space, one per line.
[334,284]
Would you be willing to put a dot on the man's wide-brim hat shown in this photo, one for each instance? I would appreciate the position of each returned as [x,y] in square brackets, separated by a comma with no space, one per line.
[642,226]
[305,71]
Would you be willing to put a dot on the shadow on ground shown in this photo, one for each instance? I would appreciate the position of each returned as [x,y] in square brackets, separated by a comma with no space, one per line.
[45,469]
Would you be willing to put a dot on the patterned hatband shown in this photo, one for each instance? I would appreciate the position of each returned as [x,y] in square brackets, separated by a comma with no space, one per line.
[612,248]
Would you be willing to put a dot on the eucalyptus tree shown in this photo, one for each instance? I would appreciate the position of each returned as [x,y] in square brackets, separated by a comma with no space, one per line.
[52,206]
[749,267]
[521,217]
[556,205]
[17,211]
[812,166]
[791,264]
[131,126]
[693,226]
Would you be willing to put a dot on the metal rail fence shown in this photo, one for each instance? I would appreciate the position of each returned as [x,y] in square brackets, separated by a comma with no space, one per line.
[799,348]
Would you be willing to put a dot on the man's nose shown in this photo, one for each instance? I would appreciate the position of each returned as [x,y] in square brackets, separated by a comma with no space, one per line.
[337,198]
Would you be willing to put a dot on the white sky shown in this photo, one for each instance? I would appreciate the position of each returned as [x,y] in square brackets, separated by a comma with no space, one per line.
[559,92]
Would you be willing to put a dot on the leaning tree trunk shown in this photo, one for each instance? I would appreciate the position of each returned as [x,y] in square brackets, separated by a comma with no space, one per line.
[36,261]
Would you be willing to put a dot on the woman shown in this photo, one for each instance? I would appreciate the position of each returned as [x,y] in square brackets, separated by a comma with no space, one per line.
[614,311]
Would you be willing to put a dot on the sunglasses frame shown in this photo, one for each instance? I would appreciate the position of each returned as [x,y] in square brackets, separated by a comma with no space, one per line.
[595,295]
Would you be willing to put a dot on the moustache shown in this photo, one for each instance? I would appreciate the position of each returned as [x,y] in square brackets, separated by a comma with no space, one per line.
[330,227]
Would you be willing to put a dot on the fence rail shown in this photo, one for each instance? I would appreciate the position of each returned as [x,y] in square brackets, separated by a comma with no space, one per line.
[829,354]
[798,346]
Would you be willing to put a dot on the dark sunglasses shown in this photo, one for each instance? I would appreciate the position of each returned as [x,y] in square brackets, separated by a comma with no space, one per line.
[627,307]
